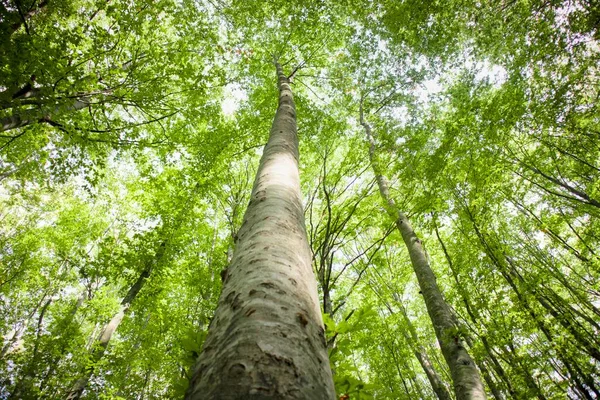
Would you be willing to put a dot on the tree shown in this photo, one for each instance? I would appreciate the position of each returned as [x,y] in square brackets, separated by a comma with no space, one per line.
[267,337]
[467,383]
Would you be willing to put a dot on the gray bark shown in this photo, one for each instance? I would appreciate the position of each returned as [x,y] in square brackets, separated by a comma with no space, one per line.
[465,376]
[37,115]
[267,340]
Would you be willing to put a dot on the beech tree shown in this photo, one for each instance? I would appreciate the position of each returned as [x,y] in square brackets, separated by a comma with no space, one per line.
[418,220]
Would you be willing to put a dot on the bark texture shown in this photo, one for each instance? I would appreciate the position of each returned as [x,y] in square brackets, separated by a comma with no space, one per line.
[266,340]
[35,115]
[465,376]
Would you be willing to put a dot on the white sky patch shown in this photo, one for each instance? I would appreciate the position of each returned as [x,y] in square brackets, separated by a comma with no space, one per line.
[234,95]
[382,45]
[400,113]
[427,89]
[495,74]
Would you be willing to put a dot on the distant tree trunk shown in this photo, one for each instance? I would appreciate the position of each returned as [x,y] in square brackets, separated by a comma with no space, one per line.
[465,376]
[508,270]
[100,345]
[437,384]
[487,376]
[266,340]
[18,333]
[23,15]
[24,383]
[67,322]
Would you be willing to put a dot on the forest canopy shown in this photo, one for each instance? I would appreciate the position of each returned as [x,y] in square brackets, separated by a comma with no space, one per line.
[316,199]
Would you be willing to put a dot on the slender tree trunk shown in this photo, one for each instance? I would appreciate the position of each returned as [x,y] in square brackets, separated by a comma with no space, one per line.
[508,270]
[266,340]
[465,376]
[18,333]
[100,345]
[437,384]
[66,322]
[23,385]
[487,375]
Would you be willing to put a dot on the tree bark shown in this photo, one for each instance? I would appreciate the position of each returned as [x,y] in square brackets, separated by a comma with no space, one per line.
[465,376]
[37,115]
[267,340]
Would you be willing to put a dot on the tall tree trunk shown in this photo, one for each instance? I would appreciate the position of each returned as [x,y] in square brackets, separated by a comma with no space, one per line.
[67,322]
[465,376]
[266,340]
[100,345]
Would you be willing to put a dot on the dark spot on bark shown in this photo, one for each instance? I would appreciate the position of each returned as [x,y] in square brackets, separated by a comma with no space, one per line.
[281,292]
[257,260]
[225,275]
[237,369]
[465,362]
[268,285]
[267,383]
[266,248]
[301,317]
[255,292]
[322,338]
[230,297]
[233,299]
[293,281]
[281,359]
[284,308]
[250,312]
[200,368]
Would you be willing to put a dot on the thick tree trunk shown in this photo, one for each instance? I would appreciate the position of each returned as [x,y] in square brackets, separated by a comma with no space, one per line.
[465,376]
[266,340]
[109,329]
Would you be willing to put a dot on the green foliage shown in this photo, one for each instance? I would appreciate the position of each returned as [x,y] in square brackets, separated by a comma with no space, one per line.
[130,137]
